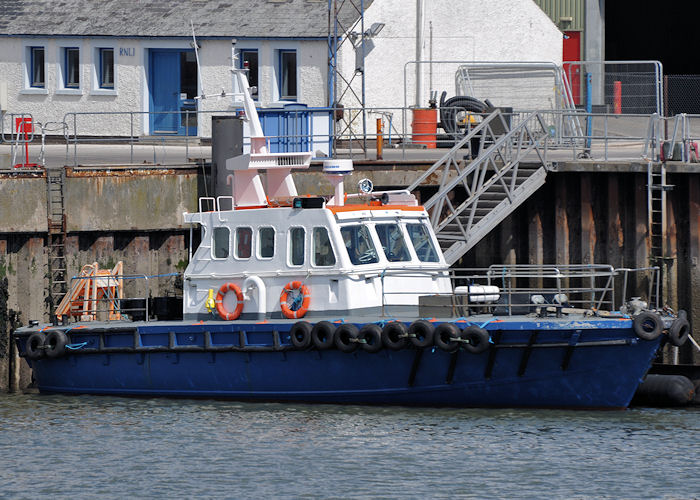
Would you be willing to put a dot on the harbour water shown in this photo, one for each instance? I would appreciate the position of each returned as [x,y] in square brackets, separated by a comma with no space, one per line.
[89,447]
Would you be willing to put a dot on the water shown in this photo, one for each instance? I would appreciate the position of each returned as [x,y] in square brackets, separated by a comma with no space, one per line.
[88,447]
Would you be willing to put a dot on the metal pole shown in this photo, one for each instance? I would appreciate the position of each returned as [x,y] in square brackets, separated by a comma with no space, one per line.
[419,46]
[364,113]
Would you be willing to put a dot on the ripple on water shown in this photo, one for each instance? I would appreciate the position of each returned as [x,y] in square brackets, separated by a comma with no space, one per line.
[82,447]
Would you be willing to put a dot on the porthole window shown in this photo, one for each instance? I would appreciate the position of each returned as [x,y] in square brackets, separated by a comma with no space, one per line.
[266,242]
[244,242]
[221,242]
[323,251]
[296,246]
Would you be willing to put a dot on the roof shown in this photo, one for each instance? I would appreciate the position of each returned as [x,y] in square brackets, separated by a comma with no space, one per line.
[158,18]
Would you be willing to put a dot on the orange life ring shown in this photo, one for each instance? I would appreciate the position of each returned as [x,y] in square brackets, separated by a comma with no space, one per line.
[225,288]
[304,290]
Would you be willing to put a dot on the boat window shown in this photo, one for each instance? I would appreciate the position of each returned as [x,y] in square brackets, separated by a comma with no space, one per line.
[323,251]
[221,242]
[266,242]
[393,242]
[359,244]
[244,242]
[422,243]
[296,246]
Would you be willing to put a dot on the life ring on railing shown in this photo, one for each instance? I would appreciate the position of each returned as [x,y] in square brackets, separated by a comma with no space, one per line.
[305,295]
[225,288]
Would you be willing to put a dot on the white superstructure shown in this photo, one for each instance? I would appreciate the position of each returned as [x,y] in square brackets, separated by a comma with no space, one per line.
[265,247]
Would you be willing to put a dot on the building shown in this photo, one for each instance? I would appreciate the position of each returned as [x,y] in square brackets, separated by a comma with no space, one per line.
[130,67]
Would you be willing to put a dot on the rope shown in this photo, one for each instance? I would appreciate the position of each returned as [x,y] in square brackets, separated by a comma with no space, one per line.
[75,347]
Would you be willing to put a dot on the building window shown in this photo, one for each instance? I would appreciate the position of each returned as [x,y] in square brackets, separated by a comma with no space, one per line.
[323,251]
[106,74]
[37,73]
[71,68]
[288,74]
[249,59]
[266,242]
[244,242]
[221,242]
[296,246]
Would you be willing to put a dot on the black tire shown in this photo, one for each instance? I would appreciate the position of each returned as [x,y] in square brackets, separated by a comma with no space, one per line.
[347,338]
[478,339]
[372,335]
[679,331]
[647,325]
[55,344]
[446,337]
[682,314]
[394,335]
[323,335]
[300,334]
[421,333]
[34,347]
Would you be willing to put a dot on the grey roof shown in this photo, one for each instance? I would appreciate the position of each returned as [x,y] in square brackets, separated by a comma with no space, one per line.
[171,18]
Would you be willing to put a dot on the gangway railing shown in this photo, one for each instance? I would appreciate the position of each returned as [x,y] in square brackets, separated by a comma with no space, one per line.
[494,184]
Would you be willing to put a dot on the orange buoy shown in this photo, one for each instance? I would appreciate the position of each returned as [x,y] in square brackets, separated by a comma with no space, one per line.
[306,296]
[226,315]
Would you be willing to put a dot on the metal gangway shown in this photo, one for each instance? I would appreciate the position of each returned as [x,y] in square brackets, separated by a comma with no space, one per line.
[494,184]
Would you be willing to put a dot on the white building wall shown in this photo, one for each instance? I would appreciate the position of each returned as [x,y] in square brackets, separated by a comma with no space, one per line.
[90,110]
[463,30]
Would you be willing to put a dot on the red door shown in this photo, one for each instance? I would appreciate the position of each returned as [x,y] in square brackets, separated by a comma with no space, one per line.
[572,52]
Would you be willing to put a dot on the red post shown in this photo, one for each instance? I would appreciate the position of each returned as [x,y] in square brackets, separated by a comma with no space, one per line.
[24,126]
[617,97]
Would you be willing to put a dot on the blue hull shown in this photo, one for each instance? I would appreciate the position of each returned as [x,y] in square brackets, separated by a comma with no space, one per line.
[545,363]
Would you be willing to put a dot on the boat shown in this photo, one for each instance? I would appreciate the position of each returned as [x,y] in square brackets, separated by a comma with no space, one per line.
[348,299]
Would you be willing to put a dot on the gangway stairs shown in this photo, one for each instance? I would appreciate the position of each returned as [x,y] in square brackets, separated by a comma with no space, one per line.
[494,184]
[55,180]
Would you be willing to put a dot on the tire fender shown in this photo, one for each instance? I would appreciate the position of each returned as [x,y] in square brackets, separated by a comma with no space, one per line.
[647,325]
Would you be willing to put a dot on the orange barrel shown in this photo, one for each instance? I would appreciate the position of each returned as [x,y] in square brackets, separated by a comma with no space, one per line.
[425,127]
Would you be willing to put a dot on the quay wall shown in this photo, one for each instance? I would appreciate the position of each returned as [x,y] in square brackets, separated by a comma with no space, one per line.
[583,214]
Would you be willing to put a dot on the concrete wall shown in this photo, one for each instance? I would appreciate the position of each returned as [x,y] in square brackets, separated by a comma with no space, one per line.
[131,93]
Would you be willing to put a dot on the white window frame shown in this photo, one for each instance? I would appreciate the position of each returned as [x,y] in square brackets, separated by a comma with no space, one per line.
[27,68]
[258,254]
[289,246]
[95,88]
[61,69]
[235,243]
[280,72]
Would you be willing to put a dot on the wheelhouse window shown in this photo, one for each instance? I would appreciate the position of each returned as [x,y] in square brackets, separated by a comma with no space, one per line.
[249,59]
[296,246]
[323,251]
[422,243]
[106,75]
[71,68]
[266,242]
[221,242]
[358,243]
[393,243]
[244,242]
[288,74]
[37,72]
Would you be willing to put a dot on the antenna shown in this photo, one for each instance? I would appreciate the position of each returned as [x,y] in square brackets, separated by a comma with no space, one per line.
[199,69]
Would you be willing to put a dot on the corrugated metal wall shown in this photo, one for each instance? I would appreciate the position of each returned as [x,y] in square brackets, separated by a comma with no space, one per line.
[559,10]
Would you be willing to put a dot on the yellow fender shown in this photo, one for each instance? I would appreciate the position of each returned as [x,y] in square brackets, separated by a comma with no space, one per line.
[210,304]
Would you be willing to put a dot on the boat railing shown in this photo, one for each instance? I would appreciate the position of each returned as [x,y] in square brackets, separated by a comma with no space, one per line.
[526,289]
[106,300]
